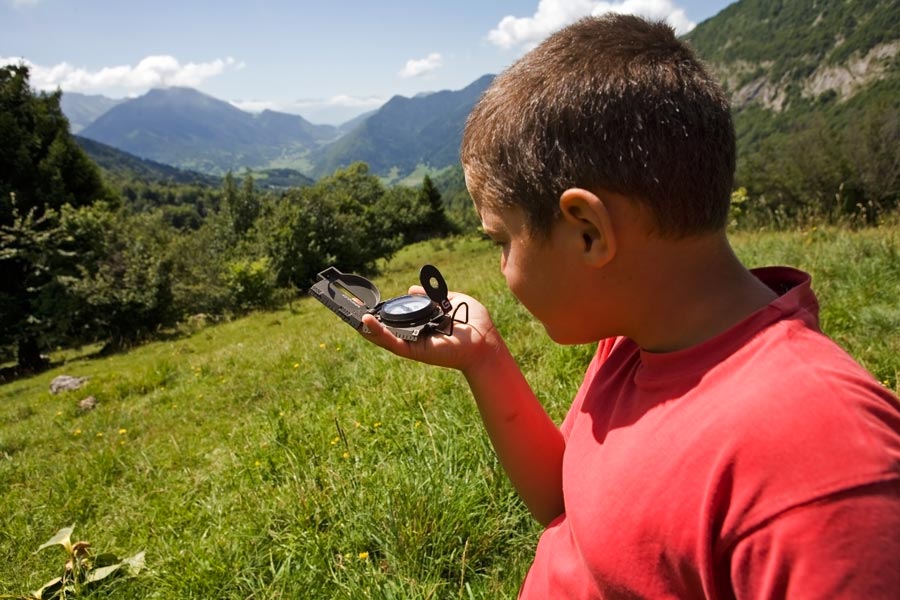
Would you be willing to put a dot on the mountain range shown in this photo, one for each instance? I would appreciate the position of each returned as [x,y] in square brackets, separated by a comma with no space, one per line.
[192,130]
[779,60]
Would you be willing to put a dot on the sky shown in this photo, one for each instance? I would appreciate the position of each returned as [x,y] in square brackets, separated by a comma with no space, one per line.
[328,60]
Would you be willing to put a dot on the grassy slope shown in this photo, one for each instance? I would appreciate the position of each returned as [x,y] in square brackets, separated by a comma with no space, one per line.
[281,455]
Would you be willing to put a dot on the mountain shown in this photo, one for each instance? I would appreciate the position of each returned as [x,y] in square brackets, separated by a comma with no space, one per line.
[191,130]
[355,122]
[282,128]
[84,109]
[406,133]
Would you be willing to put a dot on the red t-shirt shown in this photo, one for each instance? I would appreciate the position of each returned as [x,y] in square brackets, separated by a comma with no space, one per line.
[763,463]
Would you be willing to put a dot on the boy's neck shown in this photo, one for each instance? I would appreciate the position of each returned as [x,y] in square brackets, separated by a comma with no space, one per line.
[696,289]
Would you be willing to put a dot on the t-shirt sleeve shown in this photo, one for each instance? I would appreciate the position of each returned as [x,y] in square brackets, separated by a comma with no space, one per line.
[844,546]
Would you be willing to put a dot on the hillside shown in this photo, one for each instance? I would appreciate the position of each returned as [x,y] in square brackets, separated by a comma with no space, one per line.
[191,130]
[282,456]
[815,86]
[777,53]
[119,164]
[124,171]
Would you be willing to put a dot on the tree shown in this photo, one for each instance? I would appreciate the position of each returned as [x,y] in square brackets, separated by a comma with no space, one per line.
[872,150]
[343,220]
[122,291]
[243,205]
[42,169]
[249,206]
[31,256]
[436,222]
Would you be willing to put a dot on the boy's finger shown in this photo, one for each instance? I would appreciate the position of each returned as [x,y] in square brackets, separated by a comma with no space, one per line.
[378,335]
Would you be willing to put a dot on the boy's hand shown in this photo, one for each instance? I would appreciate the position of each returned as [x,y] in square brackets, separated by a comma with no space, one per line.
[526,440]
[469,343]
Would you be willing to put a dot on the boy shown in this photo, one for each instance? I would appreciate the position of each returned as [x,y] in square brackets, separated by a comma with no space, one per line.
[720,446]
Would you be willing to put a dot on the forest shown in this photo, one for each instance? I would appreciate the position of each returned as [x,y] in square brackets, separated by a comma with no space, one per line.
[86,258]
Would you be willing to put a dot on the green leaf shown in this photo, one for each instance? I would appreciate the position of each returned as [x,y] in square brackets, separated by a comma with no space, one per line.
[63,538]
[133,565]
[103,572]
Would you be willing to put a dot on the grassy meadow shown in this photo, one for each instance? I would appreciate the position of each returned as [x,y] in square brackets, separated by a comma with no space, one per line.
[280,455]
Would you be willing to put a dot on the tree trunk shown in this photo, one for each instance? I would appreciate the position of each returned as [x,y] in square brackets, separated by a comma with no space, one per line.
[29,356]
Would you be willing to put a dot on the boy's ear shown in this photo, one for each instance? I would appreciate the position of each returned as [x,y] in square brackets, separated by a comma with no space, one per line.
[588,215]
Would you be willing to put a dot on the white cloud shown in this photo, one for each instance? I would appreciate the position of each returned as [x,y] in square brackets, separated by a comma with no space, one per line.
[334,110]
[311,104]
[552,15]
[22,3]
[255,106]
[416,67]
[152,71]
[344,100]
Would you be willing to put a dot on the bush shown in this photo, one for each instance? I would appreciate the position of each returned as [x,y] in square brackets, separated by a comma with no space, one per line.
[251,283]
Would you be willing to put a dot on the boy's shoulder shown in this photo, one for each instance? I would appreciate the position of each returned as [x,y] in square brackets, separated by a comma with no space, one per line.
[772,403]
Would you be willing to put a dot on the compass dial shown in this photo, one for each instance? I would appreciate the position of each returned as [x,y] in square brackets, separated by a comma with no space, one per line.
[408,309]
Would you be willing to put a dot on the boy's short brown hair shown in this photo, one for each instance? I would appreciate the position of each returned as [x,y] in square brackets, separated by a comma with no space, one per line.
[615,103]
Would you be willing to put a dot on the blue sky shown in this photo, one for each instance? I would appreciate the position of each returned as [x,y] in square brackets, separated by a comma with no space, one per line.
[325,60]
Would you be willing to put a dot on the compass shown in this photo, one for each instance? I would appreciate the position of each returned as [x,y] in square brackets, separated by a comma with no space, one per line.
[408,317]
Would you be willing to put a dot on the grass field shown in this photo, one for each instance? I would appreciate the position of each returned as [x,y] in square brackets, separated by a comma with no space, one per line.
[280,455]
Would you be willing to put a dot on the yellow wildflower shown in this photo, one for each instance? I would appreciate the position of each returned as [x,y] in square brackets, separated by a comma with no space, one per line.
[363,555]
